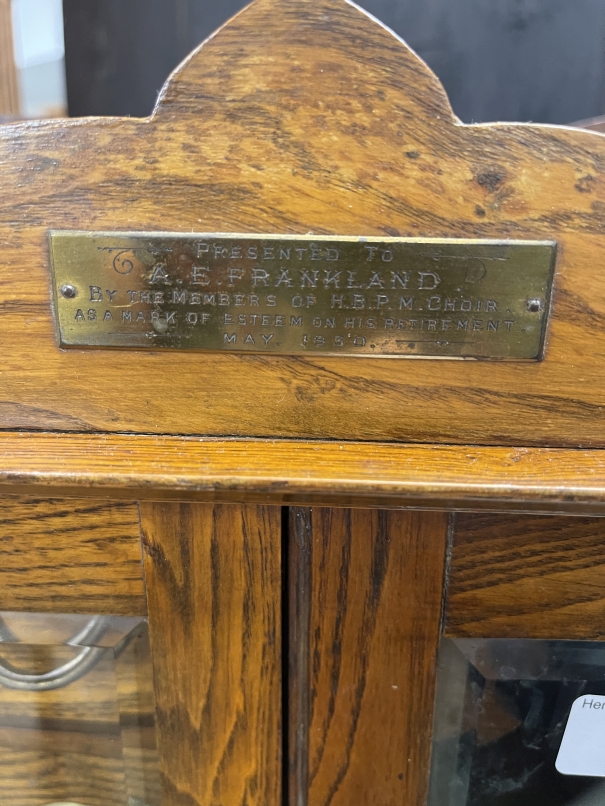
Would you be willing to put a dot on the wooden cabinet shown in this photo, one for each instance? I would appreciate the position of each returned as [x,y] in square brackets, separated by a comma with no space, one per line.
[295,567]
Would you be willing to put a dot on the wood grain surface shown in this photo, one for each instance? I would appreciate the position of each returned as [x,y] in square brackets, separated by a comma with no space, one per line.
[71,556]
[521,576]
[372,626]
[213,581]
[339,474]
[304,116]
[9,90]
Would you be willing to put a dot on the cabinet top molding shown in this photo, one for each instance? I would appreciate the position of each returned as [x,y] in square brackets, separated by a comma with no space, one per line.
[306,117]
[122,466]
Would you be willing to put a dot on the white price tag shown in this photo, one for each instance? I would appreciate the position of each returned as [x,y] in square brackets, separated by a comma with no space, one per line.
[582,750]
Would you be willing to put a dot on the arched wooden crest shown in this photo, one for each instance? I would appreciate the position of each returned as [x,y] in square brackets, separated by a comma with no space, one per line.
[304,117]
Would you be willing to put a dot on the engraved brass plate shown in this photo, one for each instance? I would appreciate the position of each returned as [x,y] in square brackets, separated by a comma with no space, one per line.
[387,297]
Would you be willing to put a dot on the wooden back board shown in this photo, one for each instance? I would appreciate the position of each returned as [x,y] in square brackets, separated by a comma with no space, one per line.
[304,117]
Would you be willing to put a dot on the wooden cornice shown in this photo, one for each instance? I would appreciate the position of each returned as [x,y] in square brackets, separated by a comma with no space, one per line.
[310,472]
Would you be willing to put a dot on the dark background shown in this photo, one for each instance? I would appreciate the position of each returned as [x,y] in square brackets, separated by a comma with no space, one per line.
[524,60]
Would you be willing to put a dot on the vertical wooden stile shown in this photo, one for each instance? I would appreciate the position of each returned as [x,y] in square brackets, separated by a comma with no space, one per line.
[374,581]
[213,587]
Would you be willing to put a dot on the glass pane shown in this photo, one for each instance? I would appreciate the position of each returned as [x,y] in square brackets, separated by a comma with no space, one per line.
[76,711]
[501,711]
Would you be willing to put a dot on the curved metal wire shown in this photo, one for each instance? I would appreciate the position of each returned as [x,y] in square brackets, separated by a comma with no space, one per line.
[68,672]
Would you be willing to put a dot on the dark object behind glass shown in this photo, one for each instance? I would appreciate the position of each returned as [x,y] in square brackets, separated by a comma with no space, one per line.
[501,711]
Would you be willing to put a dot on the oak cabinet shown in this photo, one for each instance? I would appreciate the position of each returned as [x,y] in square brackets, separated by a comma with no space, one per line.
[239,576]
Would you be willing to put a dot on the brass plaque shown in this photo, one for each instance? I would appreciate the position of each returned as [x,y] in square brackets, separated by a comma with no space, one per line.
[386,297]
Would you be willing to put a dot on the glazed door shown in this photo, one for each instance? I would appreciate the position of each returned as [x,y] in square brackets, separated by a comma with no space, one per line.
[265,655]
[131,683]
[521,678]
[508,609]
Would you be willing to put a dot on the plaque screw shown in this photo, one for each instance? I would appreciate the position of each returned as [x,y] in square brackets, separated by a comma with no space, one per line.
[68,291]
[534,305]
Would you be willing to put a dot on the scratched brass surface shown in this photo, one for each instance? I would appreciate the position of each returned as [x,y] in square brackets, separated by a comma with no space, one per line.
[390,297]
